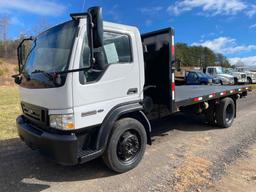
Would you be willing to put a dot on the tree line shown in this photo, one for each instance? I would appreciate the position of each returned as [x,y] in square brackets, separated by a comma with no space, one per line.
[199,56]
[8,46]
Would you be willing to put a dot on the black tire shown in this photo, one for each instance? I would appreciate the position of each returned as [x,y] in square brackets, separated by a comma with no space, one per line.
[221,83]
[225,112]
[249,80]
[236,81]
[123,143]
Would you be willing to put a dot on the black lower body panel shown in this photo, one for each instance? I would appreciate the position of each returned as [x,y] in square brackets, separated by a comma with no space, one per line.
[63,149]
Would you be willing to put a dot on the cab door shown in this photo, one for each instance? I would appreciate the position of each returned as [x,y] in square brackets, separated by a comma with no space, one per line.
[193,79]
[96,92]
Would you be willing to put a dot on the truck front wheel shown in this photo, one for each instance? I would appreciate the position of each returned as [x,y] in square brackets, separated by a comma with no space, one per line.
[225,112]
[236,81]
[126,145]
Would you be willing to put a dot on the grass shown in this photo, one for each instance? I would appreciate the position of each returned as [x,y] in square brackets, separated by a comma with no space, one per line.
[253,86]
[4,71]
[9,110]
[1,72]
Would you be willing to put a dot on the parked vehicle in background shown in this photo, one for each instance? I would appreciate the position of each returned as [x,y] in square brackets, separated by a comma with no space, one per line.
[200,78]
[218,72]
[240,77]
[251,76]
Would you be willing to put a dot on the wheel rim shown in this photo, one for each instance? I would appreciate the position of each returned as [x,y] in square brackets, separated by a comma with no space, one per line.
[229,114]
[128,147]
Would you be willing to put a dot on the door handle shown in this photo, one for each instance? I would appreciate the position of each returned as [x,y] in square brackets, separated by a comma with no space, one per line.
[132,91]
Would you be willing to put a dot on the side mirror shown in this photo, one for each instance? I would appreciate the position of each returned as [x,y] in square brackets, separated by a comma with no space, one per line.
[21,55]
[22,52]
[97,28]
[17,79]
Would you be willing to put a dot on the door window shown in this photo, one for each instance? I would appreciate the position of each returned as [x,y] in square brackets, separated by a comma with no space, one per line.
[117,50]
[210,71]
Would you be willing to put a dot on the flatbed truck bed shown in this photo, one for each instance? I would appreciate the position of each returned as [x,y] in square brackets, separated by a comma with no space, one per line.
[186,95]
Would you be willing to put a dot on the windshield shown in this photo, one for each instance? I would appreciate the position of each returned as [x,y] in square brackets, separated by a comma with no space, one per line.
[201,74]
[229,71]
[50,53]
[242,69]
[219,70]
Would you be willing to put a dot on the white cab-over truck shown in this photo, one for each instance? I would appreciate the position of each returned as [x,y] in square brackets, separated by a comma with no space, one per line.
[251,76]
[240,77]
[216,71]
[88,88]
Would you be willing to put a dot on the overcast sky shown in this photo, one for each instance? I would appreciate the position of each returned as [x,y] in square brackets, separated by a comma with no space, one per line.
[226,26]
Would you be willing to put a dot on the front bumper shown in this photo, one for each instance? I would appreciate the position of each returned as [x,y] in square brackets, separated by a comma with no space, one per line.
[61,148]
[242,80]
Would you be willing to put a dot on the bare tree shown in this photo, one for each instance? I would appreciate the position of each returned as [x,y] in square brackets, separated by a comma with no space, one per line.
[4,22]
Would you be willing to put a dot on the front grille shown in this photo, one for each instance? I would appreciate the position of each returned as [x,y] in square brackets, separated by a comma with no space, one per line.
[34,113]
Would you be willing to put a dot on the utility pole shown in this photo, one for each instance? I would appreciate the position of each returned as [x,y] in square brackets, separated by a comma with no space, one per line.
[4,21]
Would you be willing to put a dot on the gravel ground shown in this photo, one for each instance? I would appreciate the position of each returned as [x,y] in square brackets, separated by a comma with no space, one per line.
[240,176]
[186,155]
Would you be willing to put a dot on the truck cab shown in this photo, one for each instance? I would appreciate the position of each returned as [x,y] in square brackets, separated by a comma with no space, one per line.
[251,76]
[68,104]
[198,78]
[215,71]
[240,77]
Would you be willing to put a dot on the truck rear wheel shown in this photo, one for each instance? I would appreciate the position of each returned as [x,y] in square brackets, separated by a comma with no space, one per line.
[126,145]
[249,80]
[225,112]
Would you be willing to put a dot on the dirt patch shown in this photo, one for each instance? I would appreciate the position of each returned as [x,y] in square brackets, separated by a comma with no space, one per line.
[194,171]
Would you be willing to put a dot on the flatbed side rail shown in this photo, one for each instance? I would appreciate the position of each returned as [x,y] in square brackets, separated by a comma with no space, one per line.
[242,92]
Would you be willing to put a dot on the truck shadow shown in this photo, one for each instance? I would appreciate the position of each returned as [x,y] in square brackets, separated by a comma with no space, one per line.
[182,122]
[22,169]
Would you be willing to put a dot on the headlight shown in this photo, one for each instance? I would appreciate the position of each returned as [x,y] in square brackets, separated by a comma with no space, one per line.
[62,122]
